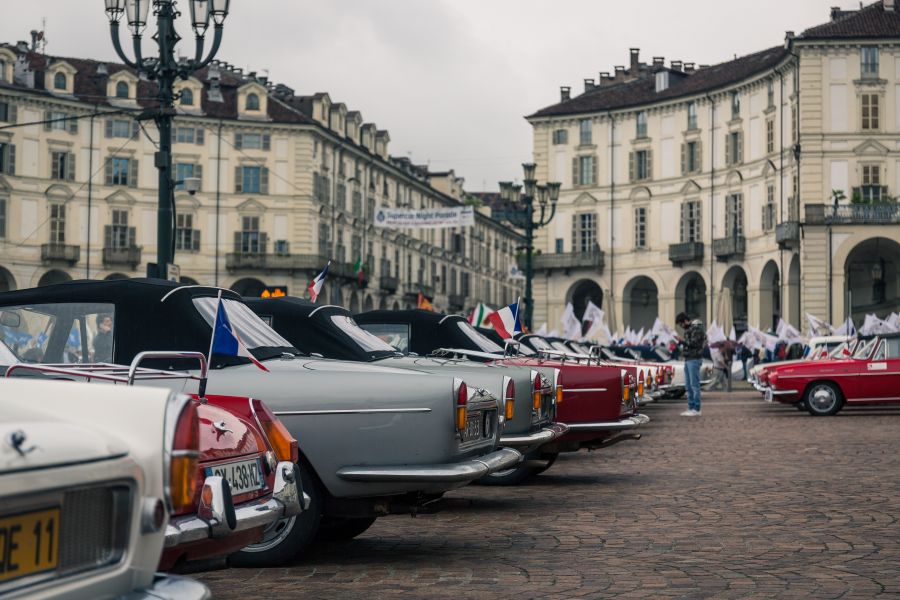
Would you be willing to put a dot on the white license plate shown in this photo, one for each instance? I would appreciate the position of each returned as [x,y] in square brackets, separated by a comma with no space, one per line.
[769,395]
[243,476]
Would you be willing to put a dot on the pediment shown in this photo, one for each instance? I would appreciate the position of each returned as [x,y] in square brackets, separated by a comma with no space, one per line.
[734,178]
[640,193]
[690,187]
[64,66]
[251,205]
[871,148]
[769,170]
[121,197]
[59,193]
[187,201]
[584,199]
[4,185]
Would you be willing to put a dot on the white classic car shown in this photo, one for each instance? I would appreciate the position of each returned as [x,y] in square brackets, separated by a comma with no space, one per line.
[85,489]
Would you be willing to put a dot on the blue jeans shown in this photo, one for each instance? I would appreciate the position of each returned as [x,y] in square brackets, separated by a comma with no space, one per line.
[692,382]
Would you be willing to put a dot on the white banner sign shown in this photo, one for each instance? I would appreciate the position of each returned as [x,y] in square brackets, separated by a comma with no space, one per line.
[428,218]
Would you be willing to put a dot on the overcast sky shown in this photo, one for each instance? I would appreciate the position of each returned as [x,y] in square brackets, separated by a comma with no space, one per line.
[450,79]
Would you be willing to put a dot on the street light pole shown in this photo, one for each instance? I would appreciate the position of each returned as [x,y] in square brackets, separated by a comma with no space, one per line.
[521,214]
[164,69]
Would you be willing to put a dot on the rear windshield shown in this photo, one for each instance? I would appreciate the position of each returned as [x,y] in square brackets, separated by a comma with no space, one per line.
[865,349]
[540,343]
[364,339]
[395,335]
[484,344]
[71,332]
[253,331]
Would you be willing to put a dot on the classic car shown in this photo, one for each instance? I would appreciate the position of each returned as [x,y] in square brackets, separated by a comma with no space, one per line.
[529,399]
[818,348]
[870,376]
[246,453]
[373,440]
[597,401]
[87,490]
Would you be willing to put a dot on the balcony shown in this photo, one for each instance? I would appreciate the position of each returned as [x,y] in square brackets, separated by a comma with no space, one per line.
[389,284]
[67,253]
[729,247]
[456,301]
[787,234]
[685,252]
[884,213]
[130,256]
[263,261]
[567,261]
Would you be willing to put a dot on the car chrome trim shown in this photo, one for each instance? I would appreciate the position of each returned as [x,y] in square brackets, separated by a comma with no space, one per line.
[631,422]
[350,411]
[585,389]
[206,287]
[537,438]
[318,308]
[467,470]
[171,587]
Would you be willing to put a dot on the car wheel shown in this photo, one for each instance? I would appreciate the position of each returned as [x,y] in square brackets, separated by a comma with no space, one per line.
[286,538]
[343,529]
[550,457]
[509,476]
[823,398]
[801,406]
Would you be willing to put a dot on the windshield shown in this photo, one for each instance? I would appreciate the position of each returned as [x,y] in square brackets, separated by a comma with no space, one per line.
[841,350]
[6,355]
[253,331]
[483,343]
[365,340]
[71,332]
[540,343]
[863,350]
[561,347]
[663,353]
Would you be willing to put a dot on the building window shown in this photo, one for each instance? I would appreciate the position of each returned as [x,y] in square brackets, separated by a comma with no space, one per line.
[560,247]
[770,93]
[734,148]
[641,125]
[62,166]
[7,158]
[254,141]
[586,173]
[187,170]
[734,215]
[770,136]
[640,167]
[252,102]
[5,112]
[185,135]
[324,241]
[794,125]
[690,157]
[768,216]
[584,232]
[119,232]
[692,115]
[690,222]
[869,61]
[735,105]
[2,70]
[869,111]
[121,90]
[119,128]
[640,227]
[59,81]
[2,217]
[186,237]
[57,223]
[187,97]
[560,136]
[252,180]
[251,240]
[121,171]
[584,132]
[871,189]
[58,121]
[282,248]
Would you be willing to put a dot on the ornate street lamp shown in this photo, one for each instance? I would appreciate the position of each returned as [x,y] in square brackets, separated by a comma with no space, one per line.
[521,214]
[165,69]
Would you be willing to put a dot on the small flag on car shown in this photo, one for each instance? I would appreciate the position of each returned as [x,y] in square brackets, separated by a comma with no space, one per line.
[316,284]
[225,340]
[506,321]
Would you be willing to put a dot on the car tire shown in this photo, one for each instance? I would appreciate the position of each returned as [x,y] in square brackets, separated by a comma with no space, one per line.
[801,406]
[509,476]
[823,399]
[550,457]
[287,538]
[343,529]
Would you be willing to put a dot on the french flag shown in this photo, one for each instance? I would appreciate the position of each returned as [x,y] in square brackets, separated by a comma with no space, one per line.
[316,284]
[506,321]
[225,340]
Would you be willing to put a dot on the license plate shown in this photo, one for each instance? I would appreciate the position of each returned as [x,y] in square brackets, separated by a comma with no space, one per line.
[243,476]
[769,395]
[473,427]
[29,543]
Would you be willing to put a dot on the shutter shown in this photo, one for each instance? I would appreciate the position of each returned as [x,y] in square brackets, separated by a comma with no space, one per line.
[108,171]
[132,237]
[238,140]
[594,170]
[574,233]
[264,181]
[263,242]
[631,166]
[266,141]
[649,165]
[574,172]
[683,222]
[198,173]
[740,148]
[237,242]
[684,164]
[135,128]
[727,149]
[54,164]
[195,240]
[70,166]
[698,159]
[107,236]
[73,126]
[317,185]
[109,128]
[47,124]
[132,172]
[12,114]
[200,139]
[238,181]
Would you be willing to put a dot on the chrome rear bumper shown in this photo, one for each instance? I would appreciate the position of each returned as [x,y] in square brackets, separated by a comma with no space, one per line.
[534,439]
[632,422]
[467,470]
[171,587]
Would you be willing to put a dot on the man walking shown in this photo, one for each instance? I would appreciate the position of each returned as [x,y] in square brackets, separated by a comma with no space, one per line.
[694,342]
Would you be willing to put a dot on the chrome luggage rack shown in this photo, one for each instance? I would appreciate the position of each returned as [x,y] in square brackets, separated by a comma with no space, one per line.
[121,373]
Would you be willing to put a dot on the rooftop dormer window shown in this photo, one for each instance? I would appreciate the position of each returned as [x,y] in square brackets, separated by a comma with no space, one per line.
[59,81]
[187,97]
[121,89]
[252,102]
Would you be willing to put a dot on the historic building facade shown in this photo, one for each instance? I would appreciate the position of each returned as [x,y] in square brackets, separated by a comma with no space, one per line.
[287,182]
[773,176]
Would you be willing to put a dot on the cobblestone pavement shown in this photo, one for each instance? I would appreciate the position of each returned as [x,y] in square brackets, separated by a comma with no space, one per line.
[751,500]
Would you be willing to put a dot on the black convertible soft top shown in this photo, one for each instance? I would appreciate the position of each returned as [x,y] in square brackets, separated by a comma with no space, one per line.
[428,331]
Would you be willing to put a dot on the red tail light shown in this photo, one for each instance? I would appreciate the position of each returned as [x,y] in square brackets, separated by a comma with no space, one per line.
[280,439]
[509,400]
[184,477]
[640,386]
[462,399]
[559,388]
[536,393]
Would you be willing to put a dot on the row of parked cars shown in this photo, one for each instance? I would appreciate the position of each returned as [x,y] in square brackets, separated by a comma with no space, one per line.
[127,448]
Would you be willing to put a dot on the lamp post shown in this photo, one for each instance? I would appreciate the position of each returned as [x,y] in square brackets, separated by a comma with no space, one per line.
[164,69]
[521,215]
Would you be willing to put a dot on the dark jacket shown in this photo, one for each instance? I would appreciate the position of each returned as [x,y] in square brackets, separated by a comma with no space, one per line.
[694,340]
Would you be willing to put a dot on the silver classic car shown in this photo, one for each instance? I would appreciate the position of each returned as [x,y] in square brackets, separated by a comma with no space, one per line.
[374,440]
[529,398]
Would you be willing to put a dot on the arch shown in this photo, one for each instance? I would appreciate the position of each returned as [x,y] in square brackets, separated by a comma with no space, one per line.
[53,276]
[369,304]
[122,89]
[248,286]
[872,278]
[735,279]
[580,292]
[114,276]
[793,291]
[640,305]
[770,296]
[59,81]
[691,295]
[187,97]
[252,102]
[7,281]
[382,303]
[396,306]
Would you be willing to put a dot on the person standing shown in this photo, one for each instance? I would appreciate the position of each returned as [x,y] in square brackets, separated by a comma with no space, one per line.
[694,343]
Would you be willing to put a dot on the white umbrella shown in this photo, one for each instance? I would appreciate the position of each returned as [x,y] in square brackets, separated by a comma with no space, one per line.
[724,317]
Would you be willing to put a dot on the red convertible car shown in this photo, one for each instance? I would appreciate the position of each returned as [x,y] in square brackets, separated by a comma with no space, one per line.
[870,376]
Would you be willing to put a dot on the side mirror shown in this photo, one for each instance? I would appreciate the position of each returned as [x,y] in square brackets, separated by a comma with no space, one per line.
[10,319]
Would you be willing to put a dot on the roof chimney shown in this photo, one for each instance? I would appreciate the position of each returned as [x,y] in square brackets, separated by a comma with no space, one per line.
[689,67]
[635,58]
[604,77]
[889,6]
[565,93]
[835,12]
[620,72]
[588,85]
[676,65]
[659,61]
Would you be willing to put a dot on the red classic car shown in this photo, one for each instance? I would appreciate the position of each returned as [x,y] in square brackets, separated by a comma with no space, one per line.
[229,497]
[822,387]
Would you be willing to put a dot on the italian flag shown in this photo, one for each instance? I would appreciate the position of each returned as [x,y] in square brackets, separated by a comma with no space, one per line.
[478,316]
[360,270]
